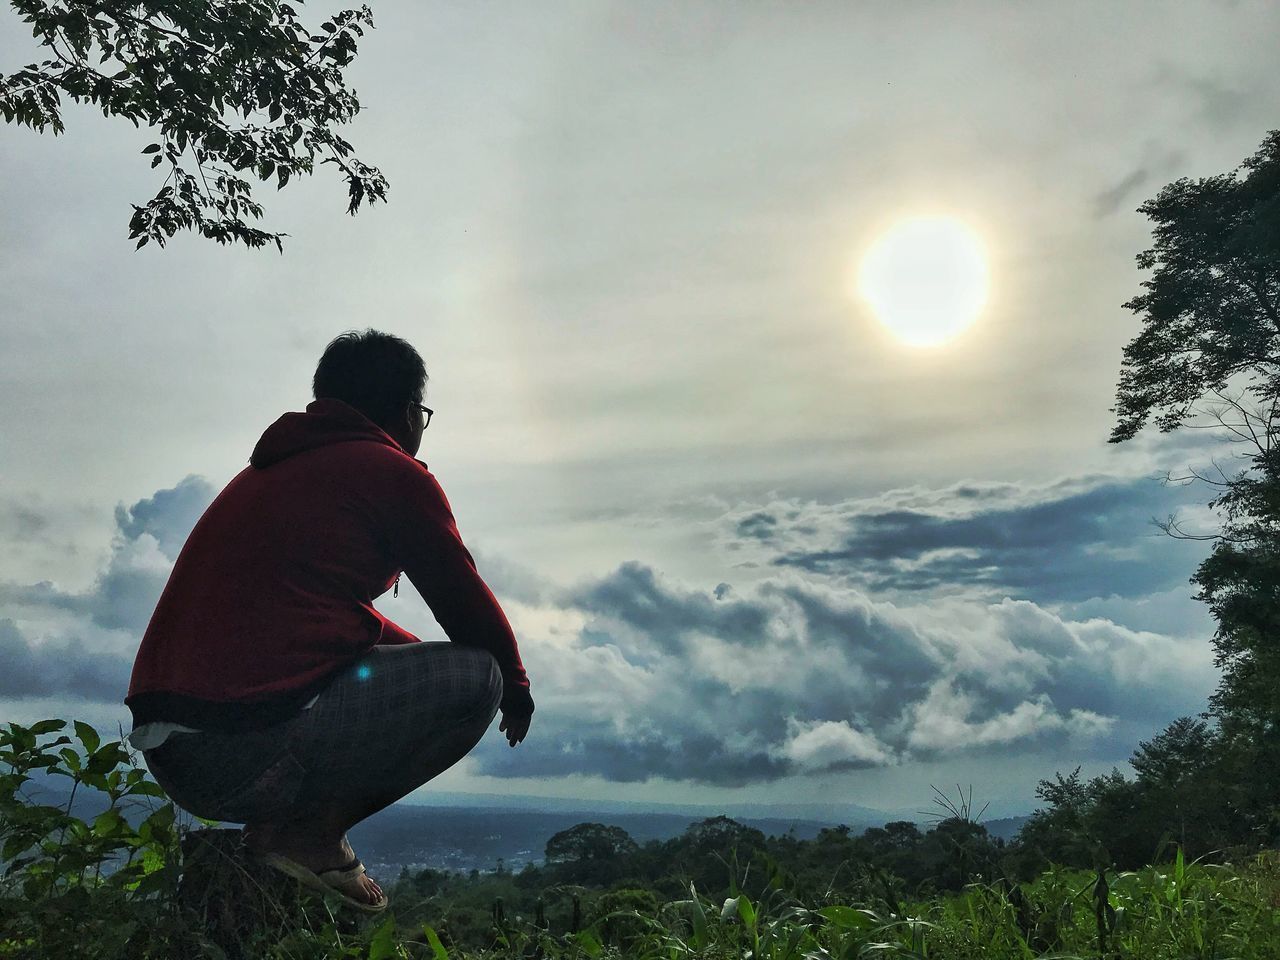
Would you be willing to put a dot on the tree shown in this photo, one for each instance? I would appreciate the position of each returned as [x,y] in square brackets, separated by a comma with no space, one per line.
[236,89]
[1058,833]
[1211,323]
[1211,309]
[722,834]
[955,849]
[589,841]
[1182,784]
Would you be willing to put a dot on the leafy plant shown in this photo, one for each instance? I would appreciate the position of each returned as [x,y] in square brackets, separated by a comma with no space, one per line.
[74,887]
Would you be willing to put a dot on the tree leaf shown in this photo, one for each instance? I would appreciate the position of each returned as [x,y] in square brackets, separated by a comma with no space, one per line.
[88,736]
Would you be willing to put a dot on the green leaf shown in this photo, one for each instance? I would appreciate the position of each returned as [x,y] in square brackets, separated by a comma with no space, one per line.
[433,939]
[106,758]
[88,736]
[589,944]
[151,148]
[382,944]
[70,758]
[146,788]
[699,919]
[848,918]
[14,846]
[108,822]
[47,726]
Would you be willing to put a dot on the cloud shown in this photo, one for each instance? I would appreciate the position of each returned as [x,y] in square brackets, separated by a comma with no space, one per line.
[1158,163]
[637,676]
[1109,200]
[123,596]
[942,721]
[62,667]
[831,744]
[1061,542]
[843,652]
[168,516]
[20,522]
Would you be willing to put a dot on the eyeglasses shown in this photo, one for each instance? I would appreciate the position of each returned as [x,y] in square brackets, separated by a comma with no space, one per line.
[428,411]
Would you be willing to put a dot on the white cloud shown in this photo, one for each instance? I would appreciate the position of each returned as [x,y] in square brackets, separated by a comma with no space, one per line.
[941,721]
[823,744]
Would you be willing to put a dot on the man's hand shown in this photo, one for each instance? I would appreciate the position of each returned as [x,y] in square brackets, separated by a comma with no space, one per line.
[515,726]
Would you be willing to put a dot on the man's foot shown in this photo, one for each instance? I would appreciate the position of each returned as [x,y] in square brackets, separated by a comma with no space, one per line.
[318,857]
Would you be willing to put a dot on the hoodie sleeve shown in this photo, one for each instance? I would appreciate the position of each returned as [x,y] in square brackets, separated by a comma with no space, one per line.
[427,543]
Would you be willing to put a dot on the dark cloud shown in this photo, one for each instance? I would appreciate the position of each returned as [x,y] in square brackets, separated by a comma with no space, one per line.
[1061,543]
[759,525]
[633,595]
[56,668]
[18,522]
[168,516]
[149,535]
[1110,200]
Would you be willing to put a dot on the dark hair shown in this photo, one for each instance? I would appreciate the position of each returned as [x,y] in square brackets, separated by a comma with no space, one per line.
[375,372]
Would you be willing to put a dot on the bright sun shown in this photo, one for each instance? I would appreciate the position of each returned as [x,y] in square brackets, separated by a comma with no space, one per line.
[926,279]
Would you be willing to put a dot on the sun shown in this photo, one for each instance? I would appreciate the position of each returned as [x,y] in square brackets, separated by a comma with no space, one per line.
[926,279]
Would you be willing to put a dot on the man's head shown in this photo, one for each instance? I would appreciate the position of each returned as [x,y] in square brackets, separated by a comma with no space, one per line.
[380,375]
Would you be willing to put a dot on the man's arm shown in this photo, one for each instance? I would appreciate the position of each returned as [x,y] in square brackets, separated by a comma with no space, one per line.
[442,569]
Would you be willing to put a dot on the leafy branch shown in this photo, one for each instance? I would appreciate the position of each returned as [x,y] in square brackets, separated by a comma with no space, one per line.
[237,91]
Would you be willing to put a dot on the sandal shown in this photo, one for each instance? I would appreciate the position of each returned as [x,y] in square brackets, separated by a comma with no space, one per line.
[327,881]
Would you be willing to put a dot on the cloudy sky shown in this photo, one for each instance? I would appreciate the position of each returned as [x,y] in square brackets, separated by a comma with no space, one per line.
[755,547]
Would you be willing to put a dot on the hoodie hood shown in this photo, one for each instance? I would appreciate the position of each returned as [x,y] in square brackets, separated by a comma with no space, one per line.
[324,422]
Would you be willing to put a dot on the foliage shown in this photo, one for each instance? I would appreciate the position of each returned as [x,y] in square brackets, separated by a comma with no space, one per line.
[1211,319]
[236,90]
[1179,800]
[1211,308]
[72,887]
[589,841]
[109,887]
[1240,581]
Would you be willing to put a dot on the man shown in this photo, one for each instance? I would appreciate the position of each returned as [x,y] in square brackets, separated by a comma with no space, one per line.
[267,689]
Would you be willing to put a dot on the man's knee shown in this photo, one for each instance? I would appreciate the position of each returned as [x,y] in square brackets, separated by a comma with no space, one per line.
[495,685]
[488,681]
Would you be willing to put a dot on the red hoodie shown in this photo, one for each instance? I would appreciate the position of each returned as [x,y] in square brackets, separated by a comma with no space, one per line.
[273,592]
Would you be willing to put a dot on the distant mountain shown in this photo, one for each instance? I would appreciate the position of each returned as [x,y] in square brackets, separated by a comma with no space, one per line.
[826,813]
[1006,827]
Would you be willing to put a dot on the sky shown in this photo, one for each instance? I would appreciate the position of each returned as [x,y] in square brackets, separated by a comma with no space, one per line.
[755,548]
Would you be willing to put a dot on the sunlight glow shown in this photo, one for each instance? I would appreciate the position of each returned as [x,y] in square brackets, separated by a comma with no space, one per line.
[926,279]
